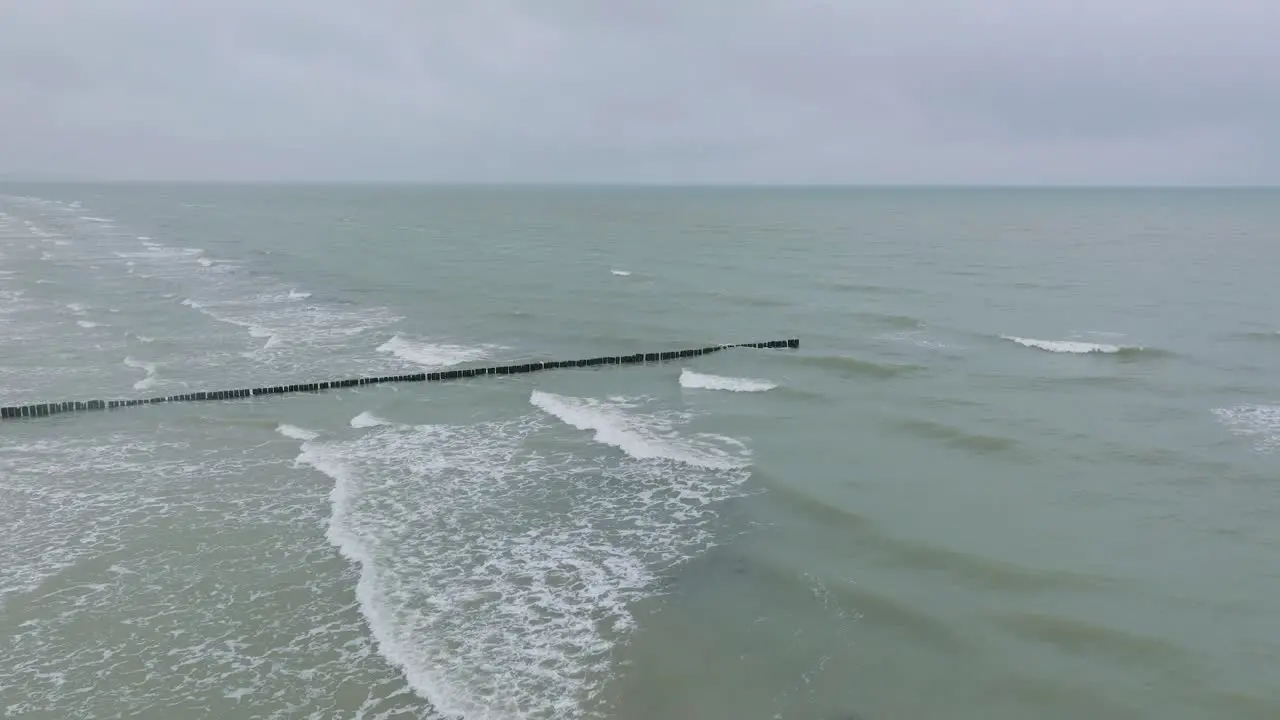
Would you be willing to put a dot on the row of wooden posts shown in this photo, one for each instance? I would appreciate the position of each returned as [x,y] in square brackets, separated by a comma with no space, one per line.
[47,409]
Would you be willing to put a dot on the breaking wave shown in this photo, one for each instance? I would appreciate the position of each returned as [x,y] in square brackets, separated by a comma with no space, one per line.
[1077,347]
[499,579]
[431,354]
[639,435]
[700,381]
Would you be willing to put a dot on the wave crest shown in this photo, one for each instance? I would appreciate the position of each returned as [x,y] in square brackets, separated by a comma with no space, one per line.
[1079,347]
[639,435]
[700,381]
[431,355]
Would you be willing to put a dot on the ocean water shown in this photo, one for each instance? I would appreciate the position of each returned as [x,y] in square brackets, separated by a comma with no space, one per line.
[1025,463]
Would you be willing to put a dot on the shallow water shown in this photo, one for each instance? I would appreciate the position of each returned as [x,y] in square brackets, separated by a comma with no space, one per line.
[1026,462]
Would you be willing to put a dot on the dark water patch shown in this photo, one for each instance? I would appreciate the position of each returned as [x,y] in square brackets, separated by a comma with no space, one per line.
[1026,285]
[868,288]
[895,612]
[890,320]
[957,437]
[855,367]
[1103,382]
[1095,386]
[1098,642]
[812,509]
[1058,699]
[976,570]
[952,401]
[1241,705]
[754,300]
[508,314]
[1244,391]
[841,598]
[1269,337]
[1197,471]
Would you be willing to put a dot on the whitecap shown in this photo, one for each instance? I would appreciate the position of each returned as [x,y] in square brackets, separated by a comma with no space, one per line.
[256,331]
[1066,346]
[296,433]
[621,273]
[431,354]
[701,381]
[367,419]
[148,367]
[639,435]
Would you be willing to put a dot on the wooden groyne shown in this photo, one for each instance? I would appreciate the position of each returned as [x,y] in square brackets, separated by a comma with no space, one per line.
[47,409]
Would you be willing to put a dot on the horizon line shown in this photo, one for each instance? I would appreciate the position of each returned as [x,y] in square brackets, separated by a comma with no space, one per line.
[643,184]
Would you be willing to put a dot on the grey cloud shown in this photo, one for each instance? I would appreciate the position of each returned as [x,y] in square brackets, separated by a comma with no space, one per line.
[1003,91]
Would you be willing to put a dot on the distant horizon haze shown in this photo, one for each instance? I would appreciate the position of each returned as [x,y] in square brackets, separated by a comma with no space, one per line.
[761,92]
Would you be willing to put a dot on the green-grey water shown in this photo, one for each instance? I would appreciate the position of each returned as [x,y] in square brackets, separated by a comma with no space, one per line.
[1025,464]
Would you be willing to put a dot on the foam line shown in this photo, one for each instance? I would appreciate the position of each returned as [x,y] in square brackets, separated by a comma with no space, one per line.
[46,409]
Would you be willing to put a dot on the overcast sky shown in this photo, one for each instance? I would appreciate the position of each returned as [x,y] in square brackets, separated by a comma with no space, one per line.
[843,91]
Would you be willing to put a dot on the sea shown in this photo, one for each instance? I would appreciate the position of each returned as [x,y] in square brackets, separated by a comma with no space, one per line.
[1025,462]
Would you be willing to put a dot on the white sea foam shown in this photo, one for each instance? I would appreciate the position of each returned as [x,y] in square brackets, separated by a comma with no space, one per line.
[261,332]
[297,334]
[77,308]
[621,273]
[1261,422]
[367,420]
[90,218]
[287,333]
[1066,346]
[700,381]
[429,354]
[53,523]
[280,645]
[498,580]
[204,261]
[148,367]
[88,324]
[296,433]
[639,435]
